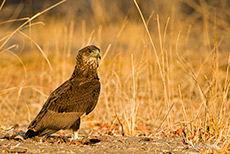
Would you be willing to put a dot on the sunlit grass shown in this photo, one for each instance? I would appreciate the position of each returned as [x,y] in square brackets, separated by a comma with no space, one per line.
[175,75]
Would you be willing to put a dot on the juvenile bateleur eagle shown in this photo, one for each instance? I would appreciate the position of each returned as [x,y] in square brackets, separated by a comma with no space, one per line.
[75,97]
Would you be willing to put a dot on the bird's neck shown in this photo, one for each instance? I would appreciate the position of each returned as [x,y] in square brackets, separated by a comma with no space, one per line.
[84,71]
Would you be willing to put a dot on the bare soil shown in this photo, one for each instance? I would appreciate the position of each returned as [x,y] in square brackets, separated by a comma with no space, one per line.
[104,144]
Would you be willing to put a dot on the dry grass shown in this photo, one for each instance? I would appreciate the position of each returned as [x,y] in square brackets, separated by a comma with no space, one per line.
[175,75]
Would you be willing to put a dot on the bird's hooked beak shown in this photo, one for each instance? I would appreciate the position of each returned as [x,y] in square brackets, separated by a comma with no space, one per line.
[96,54]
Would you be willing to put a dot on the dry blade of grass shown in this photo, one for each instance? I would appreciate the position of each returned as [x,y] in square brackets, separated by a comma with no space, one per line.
[28,21]
[182,103]
[2,4]
[225,148]
[21,62]
[125,22]
[33,24]
[14,20]
[165,117]
[164,59]
[91,38]
[39,48]
[134,103]
[9,48]
[150,38]
[106,52]
[188,69]
[7,90]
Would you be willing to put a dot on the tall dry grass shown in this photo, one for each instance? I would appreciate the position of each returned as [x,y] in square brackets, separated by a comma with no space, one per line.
[162,69]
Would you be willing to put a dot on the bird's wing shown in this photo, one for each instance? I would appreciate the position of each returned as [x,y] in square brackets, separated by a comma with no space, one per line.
[66,104]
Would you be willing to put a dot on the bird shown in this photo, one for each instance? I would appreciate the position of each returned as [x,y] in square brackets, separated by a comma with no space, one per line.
[75,97]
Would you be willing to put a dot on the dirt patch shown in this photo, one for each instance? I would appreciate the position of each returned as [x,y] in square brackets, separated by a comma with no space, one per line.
[11,143]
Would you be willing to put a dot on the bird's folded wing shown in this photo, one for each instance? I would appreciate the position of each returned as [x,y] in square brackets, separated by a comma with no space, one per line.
[66,104]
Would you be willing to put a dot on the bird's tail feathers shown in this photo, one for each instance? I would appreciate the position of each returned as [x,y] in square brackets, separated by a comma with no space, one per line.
[30,133]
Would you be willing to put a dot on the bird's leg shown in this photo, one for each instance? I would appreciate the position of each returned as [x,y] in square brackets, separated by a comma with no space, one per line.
[75,135]
[75,128]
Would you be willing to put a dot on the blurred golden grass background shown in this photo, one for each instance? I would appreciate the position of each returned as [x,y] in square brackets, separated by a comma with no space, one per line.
[182,80]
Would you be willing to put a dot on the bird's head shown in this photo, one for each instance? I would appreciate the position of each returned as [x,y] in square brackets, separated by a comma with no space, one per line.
[88,56]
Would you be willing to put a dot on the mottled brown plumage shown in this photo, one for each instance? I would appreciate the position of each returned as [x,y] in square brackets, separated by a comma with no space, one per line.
[75,97]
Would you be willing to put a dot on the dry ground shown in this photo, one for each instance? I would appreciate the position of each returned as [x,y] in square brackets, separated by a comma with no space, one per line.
[10,142]
[106,145]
